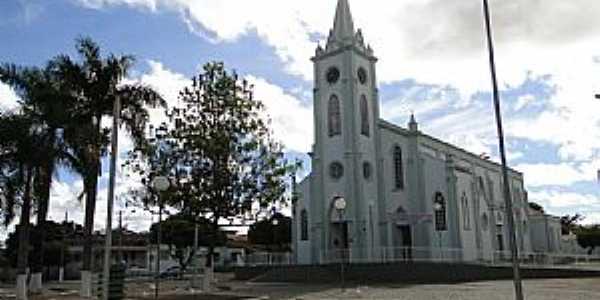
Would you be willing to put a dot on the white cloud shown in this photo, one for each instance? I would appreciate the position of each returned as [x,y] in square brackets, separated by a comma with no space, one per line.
[524,101]
[591,218]
[8,98]
[553,174]
[557,202]
[292,122]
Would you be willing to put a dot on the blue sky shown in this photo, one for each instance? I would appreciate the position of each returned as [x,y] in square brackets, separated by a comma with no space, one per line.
[432,61]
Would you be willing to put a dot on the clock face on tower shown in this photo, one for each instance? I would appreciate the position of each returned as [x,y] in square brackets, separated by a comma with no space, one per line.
[333,75]
[362,75]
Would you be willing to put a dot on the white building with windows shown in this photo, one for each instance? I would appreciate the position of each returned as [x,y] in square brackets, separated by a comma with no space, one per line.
[408,194]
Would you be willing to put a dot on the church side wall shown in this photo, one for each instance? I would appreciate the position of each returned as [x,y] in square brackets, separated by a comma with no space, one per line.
[395,198]
[480,183]
[465,203]
[303,250]
[436,181]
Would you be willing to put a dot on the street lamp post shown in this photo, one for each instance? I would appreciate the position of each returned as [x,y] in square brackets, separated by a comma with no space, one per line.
[160,184]
[275,222]
[111,194]
[340,205]
[61,271]
[438,207]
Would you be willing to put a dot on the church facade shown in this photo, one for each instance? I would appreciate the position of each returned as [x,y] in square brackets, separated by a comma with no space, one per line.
[408,195]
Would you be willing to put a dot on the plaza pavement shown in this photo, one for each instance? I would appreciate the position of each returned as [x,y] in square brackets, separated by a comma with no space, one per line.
[543,289]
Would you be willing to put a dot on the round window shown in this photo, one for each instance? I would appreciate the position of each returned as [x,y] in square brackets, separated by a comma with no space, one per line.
[362,75]
[367,170]
[333,75]
[336,170]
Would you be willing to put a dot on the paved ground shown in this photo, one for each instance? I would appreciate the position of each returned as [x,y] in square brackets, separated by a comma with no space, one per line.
[559,289]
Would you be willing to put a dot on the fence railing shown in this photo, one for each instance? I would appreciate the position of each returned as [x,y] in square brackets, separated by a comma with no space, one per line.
[432,254]
[269,258]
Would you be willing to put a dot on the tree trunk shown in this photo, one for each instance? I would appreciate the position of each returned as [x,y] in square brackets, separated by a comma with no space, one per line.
[22,256]
[90,206]
[42,214]
[208,271]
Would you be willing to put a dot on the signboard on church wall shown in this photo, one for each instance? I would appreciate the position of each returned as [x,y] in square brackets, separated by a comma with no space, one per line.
[413,219]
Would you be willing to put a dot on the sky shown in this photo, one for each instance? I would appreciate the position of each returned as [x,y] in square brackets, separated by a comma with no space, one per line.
[432,61]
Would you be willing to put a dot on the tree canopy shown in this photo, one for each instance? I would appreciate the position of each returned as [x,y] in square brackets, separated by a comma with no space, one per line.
[218,151]
[274,235]
[588,237]
[178,234]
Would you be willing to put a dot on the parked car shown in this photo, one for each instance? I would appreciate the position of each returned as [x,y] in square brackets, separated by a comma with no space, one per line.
[171,272]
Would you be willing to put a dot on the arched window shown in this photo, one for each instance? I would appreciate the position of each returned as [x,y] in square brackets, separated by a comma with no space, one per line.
[304,225]
[465,211]
[364,116]
[334,116]
[398,168]
[439,207]
[485,222]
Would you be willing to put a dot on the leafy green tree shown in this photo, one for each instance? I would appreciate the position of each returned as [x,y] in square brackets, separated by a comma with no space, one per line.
[96,82]
[52,233]
[277,237]
[223,160]
[588,237]
[536,207]
[178,233]
[568,223]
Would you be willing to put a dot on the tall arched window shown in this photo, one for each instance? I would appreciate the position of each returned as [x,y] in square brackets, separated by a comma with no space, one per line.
[334,117]
[364,116]
[439,207]
[466,212]
[304,225]
[398,168]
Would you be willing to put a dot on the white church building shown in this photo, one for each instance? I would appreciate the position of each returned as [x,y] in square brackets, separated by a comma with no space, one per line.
[408,195]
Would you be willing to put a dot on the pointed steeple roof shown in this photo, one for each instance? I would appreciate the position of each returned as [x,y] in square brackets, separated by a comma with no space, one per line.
[412,124]
[343,26]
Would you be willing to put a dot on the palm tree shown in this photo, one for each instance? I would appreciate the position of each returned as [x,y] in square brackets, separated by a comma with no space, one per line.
[94,83]
[44,103]
[20,135]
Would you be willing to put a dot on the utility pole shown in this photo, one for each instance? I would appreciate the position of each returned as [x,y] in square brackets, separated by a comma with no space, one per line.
[507,199]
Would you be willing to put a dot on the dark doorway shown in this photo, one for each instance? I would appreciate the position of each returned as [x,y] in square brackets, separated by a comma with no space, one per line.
[339,240]
[406,236]
[500,239]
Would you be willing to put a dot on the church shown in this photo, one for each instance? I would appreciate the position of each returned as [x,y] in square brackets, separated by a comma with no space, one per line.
[378,191]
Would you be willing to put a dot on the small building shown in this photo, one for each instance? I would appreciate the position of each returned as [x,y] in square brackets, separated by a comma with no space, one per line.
[546,232]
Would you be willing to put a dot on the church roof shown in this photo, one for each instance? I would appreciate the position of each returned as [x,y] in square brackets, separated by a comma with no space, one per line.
[343,26]
[475,158]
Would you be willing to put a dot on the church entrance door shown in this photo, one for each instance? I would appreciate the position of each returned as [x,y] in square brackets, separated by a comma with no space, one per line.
[339,240]
[404,242]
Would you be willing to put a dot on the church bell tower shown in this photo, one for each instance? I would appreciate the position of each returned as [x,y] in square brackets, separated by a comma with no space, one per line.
[346,112]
